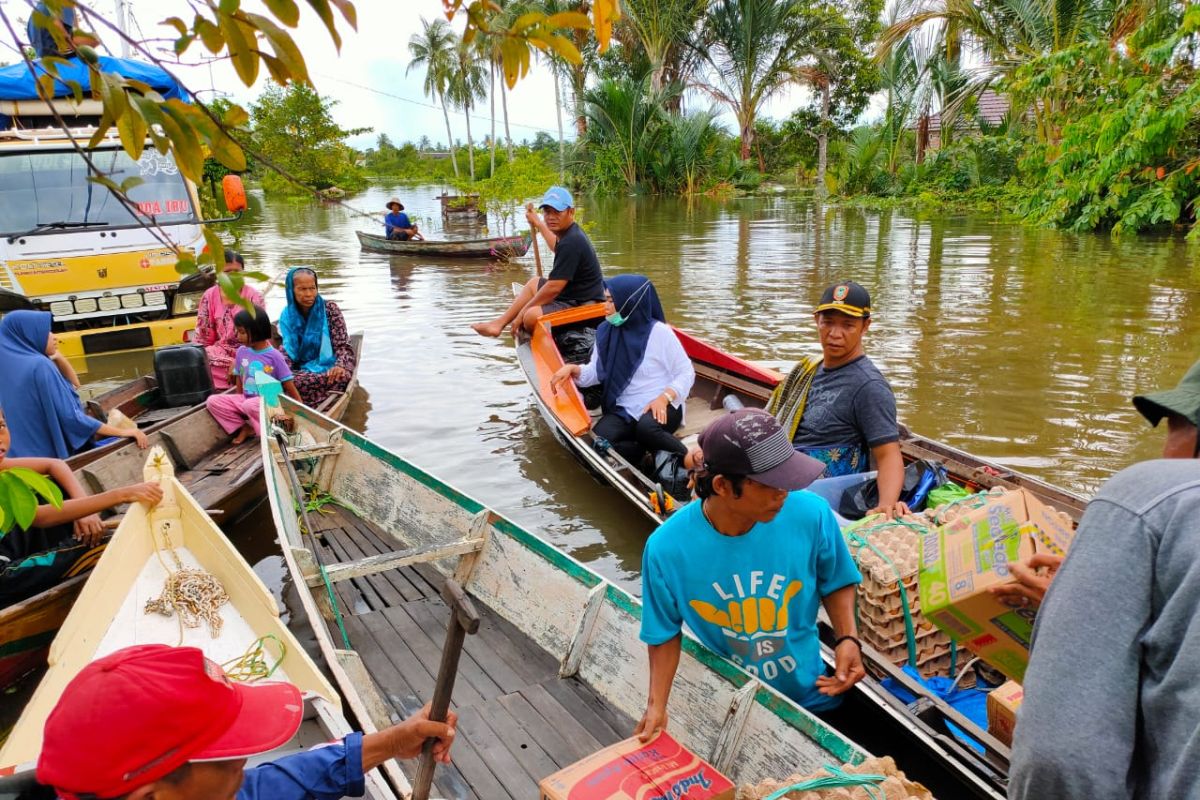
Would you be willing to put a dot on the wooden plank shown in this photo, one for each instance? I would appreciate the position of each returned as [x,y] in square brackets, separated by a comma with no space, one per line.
[497,669]
[730,737]
[562,749]
[353,664]
[371,565]
[306,563]
[407,584]
[526,658]
[481,527]
[469,668]
[583,631]
[585,713]
[350,553]
[429,652]
[571,731]
[363,586]
[307,451]
[525,747]
[401,678]
[515,781]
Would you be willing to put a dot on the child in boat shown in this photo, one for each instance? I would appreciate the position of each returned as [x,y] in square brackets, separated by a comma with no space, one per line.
[60,542]
[238,412]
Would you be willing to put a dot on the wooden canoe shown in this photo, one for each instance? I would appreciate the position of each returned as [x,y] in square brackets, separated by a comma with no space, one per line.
[718,375]
[557,669]
[497,247]
[225,480]
[110,615]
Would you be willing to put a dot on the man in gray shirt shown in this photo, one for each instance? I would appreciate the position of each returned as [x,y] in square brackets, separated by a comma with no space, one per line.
[1112,694]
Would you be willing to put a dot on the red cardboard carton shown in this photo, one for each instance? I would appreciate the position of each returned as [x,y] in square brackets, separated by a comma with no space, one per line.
[661,769]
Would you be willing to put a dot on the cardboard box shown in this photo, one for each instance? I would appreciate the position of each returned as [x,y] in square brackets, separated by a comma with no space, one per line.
[1002,705]
[961,559]
[630,770]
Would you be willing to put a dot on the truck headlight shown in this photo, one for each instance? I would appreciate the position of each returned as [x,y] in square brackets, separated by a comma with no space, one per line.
[155,298]
[132,301]
[185,303]
[62,308]
[86,305]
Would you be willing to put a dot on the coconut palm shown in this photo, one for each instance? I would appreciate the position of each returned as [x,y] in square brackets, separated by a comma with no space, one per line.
[749,47]
[468,83]
[433,48]
[665,29]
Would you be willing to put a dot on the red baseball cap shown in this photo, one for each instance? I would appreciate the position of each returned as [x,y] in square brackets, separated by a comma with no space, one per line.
[138,714]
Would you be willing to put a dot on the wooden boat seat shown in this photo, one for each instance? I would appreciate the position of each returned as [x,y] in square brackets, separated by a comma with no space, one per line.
[517,720]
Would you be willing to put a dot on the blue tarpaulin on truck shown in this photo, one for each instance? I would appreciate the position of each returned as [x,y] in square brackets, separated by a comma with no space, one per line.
[16,82]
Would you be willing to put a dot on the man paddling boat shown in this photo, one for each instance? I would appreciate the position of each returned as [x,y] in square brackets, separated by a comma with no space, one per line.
[747,567]
[575,279]
[839,409]
[1125,605]
[154,722]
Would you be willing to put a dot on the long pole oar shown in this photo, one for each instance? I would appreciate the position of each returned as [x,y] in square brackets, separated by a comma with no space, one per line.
[537,253]
[463,620]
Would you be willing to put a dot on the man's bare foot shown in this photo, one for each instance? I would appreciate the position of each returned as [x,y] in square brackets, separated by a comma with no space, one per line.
[242,435]
[489,329]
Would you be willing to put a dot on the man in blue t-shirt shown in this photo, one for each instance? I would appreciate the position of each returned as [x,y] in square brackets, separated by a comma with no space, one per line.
[397,225]
[746,569]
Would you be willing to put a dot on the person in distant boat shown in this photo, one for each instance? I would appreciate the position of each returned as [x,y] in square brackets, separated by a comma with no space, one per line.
[397,225]
[237,412]
[46,33]
[1110,703]
[839,409]
[746,569]
[214,324]
[155,722]
[575,279]
[644,372]
[46,418]
[315,340]
[59,543]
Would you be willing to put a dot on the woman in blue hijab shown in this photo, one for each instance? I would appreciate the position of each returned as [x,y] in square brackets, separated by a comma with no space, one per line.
[644,372]
[315,341]
[44,415]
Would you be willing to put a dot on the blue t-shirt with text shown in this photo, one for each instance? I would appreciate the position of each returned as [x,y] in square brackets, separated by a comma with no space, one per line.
[752,598]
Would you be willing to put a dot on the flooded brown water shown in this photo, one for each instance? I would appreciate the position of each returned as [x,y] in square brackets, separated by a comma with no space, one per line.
[1020,345]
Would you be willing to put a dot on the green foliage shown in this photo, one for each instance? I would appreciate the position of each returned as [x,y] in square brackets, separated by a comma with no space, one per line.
[20,489]
[293,127]
[514,183]
[1127,155]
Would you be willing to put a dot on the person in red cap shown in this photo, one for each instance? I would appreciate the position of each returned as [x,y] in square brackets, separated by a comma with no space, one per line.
[747,568]
[154,722]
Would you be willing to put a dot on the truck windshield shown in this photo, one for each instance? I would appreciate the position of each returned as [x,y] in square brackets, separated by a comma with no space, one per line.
[52,187]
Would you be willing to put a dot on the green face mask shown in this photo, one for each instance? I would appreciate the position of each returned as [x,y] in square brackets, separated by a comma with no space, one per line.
[615,319]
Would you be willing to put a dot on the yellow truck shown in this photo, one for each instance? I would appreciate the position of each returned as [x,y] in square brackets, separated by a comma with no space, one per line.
[71,247]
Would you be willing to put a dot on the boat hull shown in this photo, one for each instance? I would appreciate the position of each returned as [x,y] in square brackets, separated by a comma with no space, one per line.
[501,248]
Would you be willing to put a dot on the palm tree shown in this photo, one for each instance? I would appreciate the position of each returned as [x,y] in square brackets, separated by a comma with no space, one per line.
[749,47]
[490,45]
[468,83]
[665,29]
[433,48]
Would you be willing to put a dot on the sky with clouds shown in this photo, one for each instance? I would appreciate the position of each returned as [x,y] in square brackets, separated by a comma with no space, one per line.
[368,76]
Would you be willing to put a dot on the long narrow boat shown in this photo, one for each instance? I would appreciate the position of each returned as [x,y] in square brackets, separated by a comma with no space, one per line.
[496,247]
[720,375]
[557,669]
[221,478]
[149,544]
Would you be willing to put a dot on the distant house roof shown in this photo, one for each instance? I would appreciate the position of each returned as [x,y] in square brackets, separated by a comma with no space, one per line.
[991,109]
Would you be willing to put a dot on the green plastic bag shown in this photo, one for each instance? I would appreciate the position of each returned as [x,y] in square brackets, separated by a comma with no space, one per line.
[946,493]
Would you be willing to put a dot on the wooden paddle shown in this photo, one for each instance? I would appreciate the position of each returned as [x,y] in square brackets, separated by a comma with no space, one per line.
[537,254]
[463,621]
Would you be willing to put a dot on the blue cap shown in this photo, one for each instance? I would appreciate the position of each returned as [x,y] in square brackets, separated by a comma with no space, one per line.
[557,198]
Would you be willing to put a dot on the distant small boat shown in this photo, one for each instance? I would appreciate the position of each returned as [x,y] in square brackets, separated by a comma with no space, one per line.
[499,247]
[461,208]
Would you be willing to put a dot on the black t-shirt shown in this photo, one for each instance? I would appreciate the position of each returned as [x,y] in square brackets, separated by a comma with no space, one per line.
[576,263]
[847,405]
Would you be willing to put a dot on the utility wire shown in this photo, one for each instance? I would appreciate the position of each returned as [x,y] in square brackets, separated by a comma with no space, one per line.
[428,105]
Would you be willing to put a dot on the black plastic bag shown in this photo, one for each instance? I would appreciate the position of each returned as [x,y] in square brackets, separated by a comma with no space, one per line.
[920,477]
[575,347]
[670,473]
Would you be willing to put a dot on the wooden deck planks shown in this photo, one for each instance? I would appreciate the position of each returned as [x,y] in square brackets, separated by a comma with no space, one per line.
[518,722]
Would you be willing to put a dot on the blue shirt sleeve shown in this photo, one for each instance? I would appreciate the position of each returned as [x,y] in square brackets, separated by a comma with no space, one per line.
[324,773]
[835,565]
[661,618]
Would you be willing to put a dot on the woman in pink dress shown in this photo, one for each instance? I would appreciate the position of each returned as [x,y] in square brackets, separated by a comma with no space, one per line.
[214,324]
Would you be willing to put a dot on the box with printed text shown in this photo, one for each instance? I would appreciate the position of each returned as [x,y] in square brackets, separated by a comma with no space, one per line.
[961,560]
[630,770]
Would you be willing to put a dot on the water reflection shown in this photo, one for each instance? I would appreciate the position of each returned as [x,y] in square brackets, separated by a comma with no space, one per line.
[1020,344]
